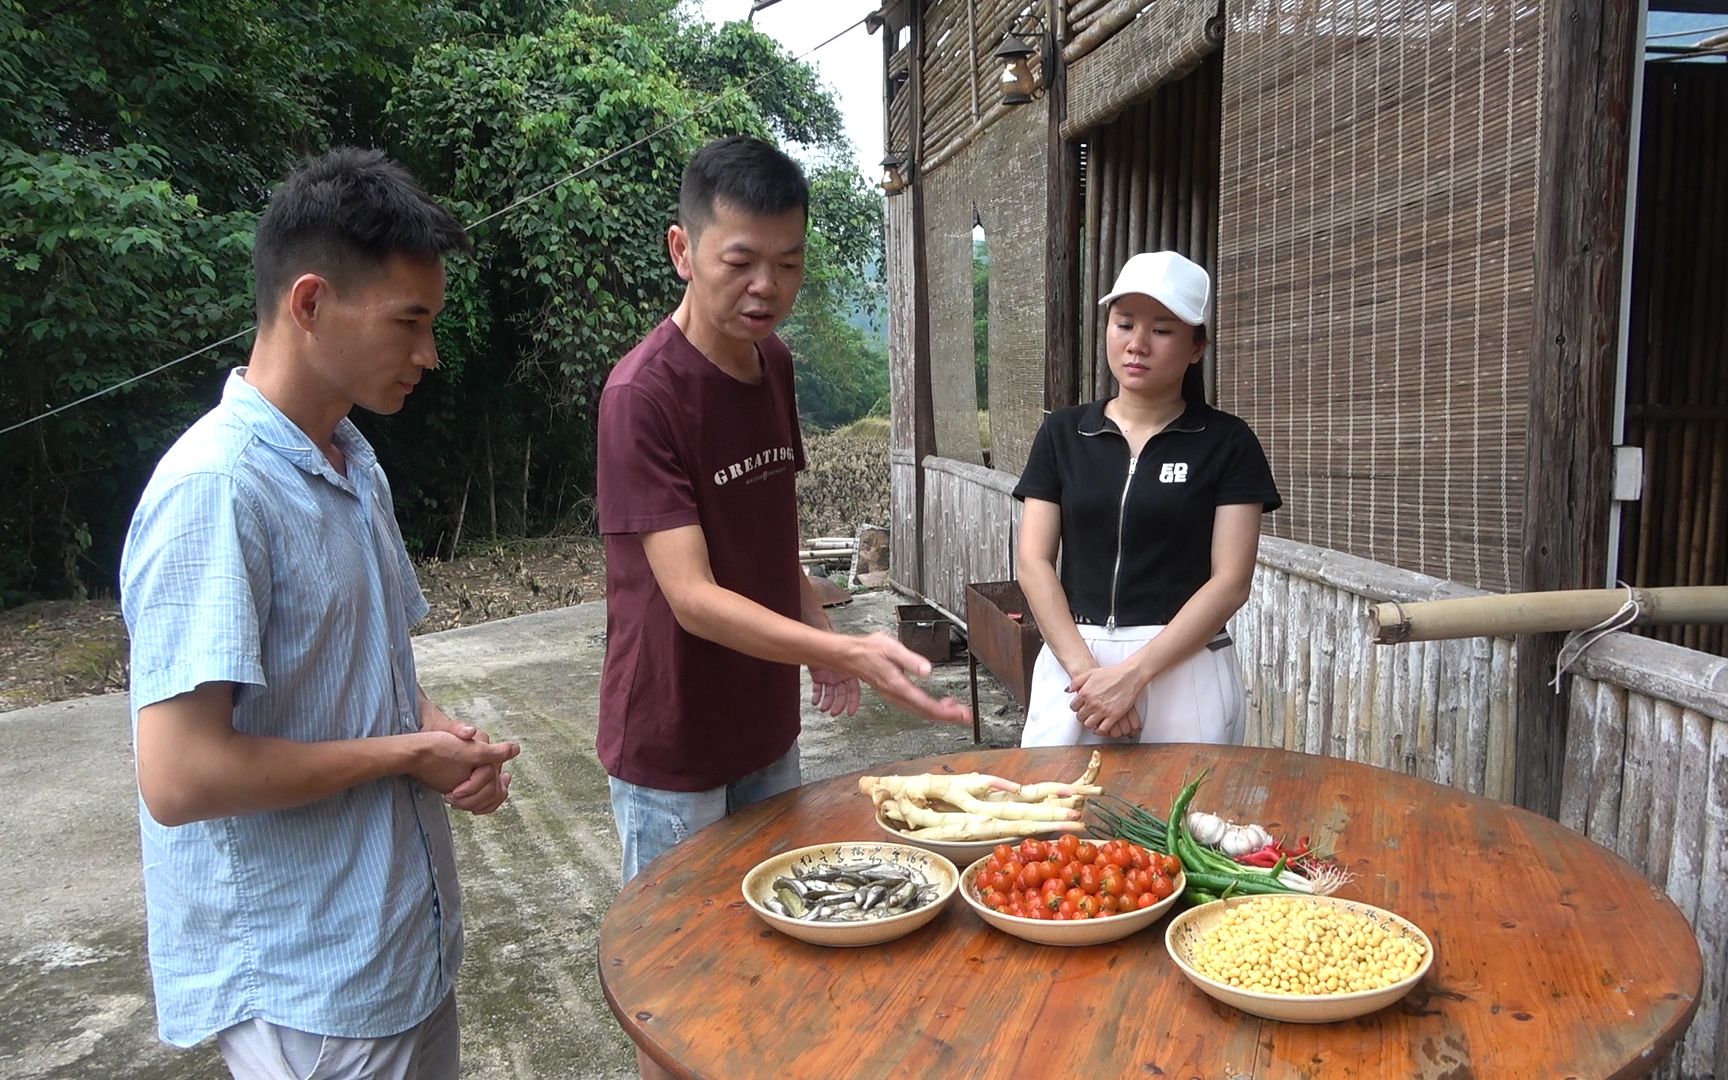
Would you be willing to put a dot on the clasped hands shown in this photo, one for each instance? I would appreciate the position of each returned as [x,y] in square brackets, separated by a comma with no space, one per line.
[1104,699]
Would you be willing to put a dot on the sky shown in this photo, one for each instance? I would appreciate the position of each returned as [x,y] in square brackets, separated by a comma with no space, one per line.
[852,66]
[1668,25]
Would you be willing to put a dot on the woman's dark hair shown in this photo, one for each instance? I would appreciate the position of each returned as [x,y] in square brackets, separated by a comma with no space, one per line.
[1194,379]
[744,173]
[343,215]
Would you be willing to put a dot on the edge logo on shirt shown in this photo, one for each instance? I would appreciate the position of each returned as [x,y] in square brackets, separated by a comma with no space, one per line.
[1173,472]
[754,462]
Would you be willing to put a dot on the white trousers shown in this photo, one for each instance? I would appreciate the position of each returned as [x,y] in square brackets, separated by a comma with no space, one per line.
[430,1050]
[1199,700]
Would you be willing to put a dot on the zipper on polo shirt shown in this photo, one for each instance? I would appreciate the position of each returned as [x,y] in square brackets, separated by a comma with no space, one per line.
[1121,513]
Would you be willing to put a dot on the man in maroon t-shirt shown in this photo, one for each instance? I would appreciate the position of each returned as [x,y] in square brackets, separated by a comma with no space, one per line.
[708,612]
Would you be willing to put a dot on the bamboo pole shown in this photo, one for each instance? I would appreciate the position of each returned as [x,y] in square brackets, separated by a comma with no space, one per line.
[1136,162]
[1089,293]
[1544,612]
[1116,15]
[1110,208]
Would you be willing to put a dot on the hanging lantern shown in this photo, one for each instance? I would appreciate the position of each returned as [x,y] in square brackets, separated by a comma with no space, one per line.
[893,177]
[1018,47]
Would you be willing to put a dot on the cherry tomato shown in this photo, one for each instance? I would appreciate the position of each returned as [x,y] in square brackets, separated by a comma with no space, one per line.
[1031,850]
[1088,906]
[1089,879]
[1003,853]
[1161,887]
[1139,858]
[1071,874]
[1170,864]
[1086,853]
[1067,908]
[1067,844]
[1111,883]
[1108,906]
[1051,887]
[1145,901]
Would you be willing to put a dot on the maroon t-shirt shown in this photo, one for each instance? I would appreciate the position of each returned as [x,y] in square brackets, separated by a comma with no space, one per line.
[684,443]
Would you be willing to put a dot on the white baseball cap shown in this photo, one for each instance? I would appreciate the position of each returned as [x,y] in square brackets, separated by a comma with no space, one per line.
[1179,284]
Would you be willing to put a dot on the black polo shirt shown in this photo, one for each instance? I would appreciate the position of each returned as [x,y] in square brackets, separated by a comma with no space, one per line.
[1164,509]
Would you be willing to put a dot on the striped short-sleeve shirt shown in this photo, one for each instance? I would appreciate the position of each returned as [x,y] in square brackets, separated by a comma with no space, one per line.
[251,560]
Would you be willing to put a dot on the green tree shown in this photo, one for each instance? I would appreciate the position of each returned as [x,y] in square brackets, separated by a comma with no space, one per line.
[565,284]
[139,141]
[841,374]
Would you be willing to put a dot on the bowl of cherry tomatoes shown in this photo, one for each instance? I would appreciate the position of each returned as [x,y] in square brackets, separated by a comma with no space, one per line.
[1070,891]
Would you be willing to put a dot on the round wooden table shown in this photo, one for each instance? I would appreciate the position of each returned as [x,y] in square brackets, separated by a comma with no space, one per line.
[1553,957]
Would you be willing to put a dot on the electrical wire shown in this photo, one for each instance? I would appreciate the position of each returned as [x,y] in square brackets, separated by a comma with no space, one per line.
[523,201]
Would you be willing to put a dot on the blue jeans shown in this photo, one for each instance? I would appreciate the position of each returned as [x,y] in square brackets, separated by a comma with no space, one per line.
[650,820]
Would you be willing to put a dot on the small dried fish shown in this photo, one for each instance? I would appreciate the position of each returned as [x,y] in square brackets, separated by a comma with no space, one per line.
[850,892]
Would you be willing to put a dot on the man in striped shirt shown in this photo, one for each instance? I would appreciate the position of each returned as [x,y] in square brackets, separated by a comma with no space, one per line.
[298,867]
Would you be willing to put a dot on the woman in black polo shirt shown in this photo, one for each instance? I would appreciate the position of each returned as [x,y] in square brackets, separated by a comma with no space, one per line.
[1153,499]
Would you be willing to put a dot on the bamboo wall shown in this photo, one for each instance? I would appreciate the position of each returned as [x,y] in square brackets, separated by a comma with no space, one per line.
[971,528]
[1677,362]
[1647,776]
[1440,710]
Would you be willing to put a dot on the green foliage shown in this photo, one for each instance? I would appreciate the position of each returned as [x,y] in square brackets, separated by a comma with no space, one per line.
[841,374]
[562,287]
[139,142]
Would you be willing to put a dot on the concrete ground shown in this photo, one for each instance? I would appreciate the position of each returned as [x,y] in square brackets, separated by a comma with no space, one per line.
[537,876]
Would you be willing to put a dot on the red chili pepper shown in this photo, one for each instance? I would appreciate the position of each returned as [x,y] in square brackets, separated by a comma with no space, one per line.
[1265,858]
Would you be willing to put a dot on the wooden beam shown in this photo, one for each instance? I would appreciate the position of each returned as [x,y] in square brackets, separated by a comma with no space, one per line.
[1062,223]
[1589,54]
[923,408]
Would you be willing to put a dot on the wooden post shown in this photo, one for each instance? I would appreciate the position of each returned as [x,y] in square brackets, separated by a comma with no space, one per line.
[923,409]
[1587,94]
[1062,224]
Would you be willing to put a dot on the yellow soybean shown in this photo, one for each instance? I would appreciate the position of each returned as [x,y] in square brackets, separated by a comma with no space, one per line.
[1288,946]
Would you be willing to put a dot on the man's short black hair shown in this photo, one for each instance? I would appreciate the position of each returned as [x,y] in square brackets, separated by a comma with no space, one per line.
[744,173]
[343,215]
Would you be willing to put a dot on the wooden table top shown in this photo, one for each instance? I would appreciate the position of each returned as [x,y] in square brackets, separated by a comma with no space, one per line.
[1553,957]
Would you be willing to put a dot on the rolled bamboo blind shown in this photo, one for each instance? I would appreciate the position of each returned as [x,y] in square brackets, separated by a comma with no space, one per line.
[1376,225]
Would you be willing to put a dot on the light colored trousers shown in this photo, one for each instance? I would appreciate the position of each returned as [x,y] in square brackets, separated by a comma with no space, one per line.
[430,1050]
[1199,700]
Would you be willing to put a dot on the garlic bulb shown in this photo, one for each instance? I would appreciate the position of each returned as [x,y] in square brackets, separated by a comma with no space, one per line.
[1227,836]
[1239,840]
[1207,829]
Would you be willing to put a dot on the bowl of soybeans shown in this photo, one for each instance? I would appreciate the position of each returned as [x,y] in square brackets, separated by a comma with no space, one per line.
[1298,958]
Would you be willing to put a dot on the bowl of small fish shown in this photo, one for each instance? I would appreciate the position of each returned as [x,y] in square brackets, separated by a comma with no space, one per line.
[850,894]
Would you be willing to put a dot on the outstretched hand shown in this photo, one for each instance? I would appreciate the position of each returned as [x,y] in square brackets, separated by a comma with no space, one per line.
[889,666]
[834,692]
